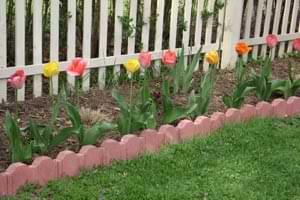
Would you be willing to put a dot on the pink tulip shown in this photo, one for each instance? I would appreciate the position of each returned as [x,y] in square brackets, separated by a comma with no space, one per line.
[169,58]
[145,59]
[271,40]
[17,80]
[296,44]
[76,67]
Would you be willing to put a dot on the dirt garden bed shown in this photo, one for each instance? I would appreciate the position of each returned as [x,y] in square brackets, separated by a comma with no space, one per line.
[102,102]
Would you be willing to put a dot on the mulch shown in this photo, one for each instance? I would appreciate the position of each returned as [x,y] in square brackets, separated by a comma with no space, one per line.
[39,108]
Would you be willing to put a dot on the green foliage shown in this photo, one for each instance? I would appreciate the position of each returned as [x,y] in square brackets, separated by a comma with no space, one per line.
[183,75]
[85,136]
[127,25]
[139,115]
[204,93]
[287,87]
[242,89]
[172,112]
[20,151]
[262,83]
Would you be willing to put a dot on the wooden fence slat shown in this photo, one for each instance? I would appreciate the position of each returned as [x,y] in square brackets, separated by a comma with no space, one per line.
[159,30]
[249,12]
[173,24]
[146,26]
[133,15]
[86,46]
[103,41]
[220,24]
[208,31]
[293,23]
[37,45]
[267,25]
[198,30]
[71,52]
[54,39]
[284,26]
[258,25]
[276,23]
[187,19]
[3,53]
[119,9]
[20,41]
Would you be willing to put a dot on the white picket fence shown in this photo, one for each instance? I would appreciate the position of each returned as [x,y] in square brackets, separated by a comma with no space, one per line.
[283,16]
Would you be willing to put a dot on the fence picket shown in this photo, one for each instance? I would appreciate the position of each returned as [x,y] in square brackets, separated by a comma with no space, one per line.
[249,12]
[3,53]
[198,31]
[54,39]
[293,23]
[71,37]
[208,31]
[258,25]
[173,24]
[187,20]
[159,30]
[284,26]
[118,33]
[37,45]
[86,46]
[146,26]
[103,41]
[267,25]
[133,14]
[276,23]
[20,41]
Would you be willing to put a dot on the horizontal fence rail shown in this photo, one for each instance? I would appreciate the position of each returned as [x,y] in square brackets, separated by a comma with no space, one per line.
[108,32]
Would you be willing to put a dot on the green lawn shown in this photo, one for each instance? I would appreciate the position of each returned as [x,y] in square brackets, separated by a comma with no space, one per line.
[257,160]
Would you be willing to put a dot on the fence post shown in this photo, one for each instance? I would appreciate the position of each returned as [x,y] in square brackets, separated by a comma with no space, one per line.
[233,21]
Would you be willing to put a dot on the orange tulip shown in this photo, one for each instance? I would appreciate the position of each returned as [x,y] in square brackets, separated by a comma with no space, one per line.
[242,48]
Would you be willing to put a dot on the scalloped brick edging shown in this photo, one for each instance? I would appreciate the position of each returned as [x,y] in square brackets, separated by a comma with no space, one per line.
[67,163]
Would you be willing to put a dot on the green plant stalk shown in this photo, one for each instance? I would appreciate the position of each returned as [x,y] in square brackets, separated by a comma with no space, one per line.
[51,86]
[130,103]
[77,90]
[17,104]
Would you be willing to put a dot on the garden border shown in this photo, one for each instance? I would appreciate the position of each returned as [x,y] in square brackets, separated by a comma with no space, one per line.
[67,163]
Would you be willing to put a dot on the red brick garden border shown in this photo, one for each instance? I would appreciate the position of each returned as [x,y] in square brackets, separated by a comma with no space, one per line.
[68,163]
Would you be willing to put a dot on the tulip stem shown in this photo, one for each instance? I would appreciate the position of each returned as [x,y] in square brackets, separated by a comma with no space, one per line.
[17,104]
[77,90]
[130,103]
[51,86]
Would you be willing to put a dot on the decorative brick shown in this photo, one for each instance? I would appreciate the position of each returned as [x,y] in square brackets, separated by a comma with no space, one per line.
[45,169]
[217,120]
[187,129]
[232,115]
[91,157]
[115,150]
[18,175]
[134,146]
[3,185]
[202,124]
[264,109]
[153,141]
[68,163]
[293,104]
[280,108]
[247,112]
[171,134]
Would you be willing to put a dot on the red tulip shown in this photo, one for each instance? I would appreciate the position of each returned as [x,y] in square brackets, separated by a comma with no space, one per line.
[296,44]
[76,67]
[17,80]
[169,58]
[271,40]
[145,59]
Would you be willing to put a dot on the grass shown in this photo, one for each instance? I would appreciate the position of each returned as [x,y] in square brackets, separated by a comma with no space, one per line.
[256,160]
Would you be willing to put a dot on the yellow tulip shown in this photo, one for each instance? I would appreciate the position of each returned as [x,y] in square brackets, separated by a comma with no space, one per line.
[51,69]
[132,65]
[212,57]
